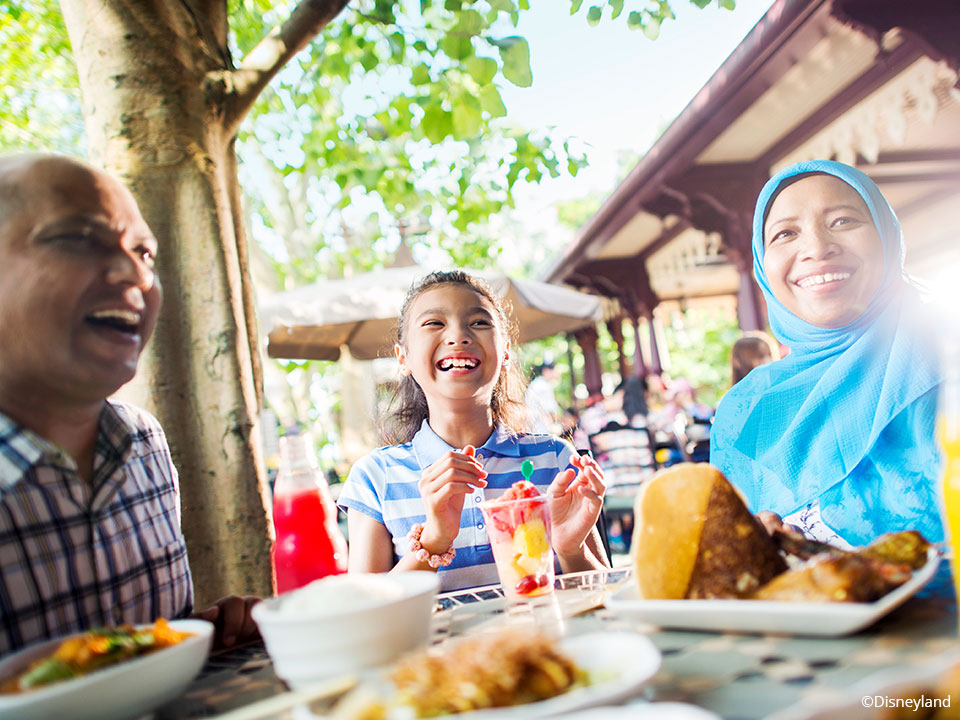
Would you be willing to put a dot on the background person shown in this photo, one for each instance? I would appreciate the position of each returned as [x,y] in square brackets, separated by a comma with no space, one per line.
[458,419]
[541,400]
[752,350]
[89,503]
[837,437]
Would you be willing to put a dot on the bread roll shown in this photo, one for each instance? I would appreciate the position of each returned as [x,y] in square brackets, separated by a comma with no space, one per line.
[695,538]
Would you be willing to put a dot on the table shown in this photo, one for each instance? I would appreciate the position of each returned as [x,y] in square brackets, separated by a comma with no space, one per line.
[737,676]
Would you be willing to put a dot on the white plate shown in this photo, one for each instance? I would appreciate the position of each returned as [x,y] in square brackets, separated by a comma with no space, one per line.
[621,662]
[126,690]
[818,619]
[646,711]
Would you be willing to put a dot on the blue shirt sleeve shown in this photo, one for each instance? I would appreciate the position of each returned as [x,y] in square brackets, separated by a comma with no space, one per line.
[363,490]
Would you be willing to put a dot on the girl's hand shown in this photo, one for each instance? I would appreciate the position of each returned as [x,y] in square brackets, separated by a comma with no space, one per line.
[443,487]
[575,501]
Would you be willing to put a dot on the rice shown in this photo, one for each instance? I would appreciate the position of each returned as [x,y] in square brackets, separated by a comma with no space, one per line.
[340,593]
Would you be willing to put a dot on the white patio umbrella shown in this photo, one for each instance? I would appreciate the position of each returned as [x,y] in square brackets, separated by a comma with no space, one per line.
[361,312]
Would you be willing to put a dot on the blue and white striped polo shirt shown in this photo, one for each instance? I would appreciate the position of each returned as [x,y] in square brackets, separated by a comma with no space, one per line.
[383,485]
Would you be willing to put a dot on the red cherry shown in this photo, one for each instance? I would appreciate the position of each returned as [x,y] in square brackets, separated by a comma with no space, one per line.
[542,580]
[527,585]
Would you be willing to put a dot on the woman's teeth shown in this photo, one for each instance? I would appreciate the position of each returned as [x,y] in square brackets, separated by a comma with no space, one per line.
[821,279]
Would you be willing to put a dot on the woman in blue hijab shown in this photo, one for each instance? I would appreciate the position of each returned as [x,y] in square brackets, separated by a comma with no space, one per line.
[838,437]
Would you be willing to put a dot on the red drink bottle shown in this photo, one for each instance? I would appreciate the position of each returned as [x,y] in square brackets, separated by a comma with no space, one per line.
[309,544]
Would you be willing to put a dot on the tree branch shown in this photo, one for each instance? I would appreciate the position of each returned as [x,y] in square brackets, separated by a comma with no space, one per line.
[275,51]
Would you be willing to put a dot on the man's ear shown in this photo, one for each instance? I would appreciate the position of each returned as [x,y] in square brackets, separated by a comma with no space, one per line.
[401,359]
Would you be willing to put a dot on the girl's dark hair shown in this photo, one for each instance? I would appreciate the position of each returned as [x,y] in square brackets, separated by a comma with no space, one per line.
[747,353]
[407,408]
[634,399]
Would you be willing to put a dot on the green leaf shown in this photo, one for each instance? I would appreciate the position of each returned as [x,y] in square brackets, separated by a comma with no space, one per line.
[491,101]
[515,53]
[369,59]
[728,4]
[575,6]
[617,7]
[481,69]
[665,11]
[634,20]
[437,124]
[470,22]
[398,43]
[594,14]
[467,118]
[454,5]
[700,3]
[652,28]
[524,4]
[420,75]
[456,47]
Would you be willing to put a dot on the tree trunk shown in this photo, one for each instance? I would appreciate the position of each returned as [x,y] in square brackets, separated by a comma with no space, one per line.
[153,76]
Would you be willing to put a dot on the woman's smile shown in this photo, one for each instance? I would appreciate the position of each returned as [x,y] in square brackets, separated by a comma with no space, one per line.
[822,253]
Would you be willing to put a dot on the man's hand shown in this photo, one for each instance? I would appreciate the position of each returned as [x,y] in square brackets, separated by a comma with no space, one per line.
[231,618]
[773,522]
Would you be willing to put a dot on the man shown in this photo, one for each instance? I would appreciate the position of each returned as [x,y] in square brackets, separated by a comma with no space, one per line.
[540,400]
[89,503]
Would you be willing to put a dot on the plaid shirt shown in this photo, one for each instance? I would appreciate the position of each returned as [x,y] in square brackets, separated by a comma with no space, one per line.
[75,555]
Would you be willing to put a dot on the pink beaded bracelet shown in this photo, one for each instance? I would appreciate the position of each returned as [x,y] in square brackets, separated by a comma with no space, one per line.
[423,555]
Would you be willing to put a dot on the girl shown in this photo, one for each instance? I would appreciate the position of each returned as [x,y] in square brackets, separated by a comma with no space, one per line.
[838,437]
[457,417]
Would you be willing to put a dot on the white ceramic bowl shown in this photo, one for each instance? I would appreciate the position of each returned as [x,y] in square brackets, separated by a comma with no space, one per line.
[129,689]
[346,623]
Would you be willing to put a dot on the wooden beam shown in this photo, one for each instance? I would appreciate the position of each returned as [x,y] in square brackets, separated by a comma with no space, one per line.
[881,72]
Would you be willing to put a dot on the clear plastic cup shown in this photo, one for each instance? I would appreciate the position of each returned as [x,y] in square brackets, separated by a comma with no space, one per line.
[519,532]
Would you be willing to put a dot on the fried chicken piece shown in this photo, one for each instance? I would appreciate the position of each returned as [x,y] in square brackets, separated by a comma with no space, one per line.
[835,577]
[488,671]
[901,548]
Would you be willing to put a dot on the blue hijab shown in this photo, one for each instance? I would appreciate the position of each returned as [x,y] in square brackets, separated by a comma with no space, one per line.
[848,416]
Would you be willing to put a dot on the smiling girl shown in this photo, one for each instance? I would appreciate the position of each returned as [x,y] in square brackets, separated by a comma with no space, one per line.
[458,420]
[838,437]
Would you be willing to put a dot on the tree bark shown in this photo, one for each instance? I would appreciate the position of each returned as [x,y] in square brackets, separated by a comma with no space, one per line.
[162,102]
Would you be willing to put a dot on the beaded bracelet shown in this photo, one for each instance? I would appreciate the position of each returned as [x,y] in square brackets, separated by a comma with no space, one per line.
[423,555]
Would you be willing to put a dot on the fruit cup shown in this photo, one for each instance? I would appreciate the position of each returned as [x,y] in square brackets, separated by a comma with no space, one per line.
[518,524]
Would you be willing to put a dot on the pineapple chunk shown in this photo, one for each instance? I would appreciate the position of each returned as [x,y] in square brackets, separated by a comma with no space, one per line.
[530,538]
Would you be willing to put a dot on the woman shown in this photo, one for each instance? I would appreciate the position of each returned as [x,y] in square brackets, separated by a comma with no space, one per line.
[838,437]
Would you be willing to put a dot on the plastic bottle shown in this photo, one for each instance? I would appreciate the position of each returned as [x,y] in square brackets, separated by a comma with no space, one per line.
[309,544]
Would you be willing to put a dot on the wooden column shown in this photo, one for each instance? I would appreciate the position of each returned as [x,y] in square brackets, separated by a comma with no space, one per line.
[655,367]
[573,373]
[639,367]
[587,339]
[615,328]
[750,311]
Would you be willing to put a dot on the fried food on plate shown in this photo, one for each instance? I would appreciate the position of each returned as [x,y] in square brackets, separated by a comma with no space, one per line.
[512,667]
[836,575]
[695,538]
[92,650]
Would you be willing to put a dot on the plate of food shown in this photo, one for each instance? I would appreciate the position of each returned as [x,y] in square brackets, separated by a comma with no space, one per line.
[703,562]
[508,674]
[104,674]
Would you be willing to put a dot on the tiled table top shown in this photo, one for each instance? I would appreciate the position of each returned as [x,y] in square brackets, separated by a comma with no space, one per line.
[734,675]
